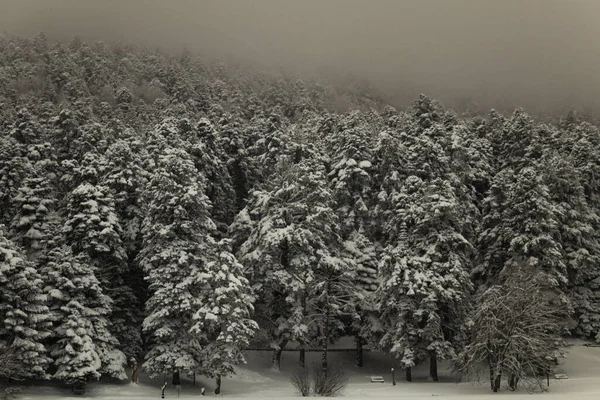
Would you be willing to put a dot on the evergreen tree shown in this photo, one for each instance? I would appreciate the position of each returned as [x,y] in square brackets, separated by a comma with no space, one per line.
[92,228]
[295,259]
[223,323]
[426,275]
[14,167]
[82,346]
[177,244]
[33,202]
[23,309]
[521,229]
[579,241]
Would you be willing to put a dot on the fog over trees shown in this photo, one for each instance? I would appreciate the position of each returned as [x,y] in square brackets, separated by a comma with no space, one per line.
[539,54]
[192,190]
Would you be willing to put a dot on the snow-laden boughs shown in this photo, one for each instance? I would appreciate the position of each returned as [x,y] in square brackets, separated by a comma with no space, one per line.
[425,277]
[351,155]
[365,255]
[14,167]
[92,228]
[177,246]
[205,150]
[33,202]
[126,177]
[521,229]
[23,311]
[578,239]
[82,346]
[223,323]
[294,248]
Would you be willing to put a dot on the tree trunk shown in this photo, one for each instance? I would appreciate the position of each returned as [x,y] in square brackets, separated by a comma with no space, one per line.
[491,362]
[302,357]
[497,381]
[433,370]
[324,365]
[359,351]
[408,374]
[218,389]
[513,381]
[324,355]
[276,365]
[302,360]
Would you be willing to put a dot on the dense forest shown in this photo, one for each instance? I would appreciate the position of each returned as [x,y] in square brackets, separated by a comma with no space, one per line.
[179,210]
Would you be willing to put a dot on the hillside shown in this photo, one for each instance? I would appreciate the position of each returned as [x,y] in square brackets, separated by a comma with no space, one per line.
[179,211]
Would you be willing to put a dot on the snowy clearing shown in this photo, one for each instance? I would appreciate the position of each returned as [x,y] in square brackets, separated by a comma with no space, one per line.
[257,380]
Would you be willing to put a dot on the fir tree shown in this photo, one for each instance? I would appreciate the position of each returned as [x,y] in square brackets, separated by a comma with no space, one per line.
[177,244]
[521,229]
[426,275]
[25,323]
[92,228]
[223,323]
[296,241]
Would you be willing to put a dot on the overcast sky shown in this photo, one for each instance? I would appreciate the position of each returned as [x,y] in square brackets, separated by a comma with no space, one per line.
[528,52]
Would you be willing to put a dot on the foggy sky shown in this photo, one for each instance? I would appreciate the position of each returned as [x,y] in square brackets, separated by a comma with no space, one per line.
[535,53]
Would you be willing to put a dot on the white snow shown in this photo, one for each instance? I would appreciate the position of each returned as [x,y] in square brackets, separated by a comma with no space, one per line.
[257,381]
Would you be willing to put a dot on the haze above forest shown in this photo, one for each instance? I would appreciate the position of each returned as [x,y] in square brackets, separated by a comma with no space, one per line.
[540,54]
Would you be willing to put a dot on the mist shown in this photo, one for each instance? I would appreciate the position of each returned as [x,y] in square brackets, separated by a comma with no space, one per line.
[540,54]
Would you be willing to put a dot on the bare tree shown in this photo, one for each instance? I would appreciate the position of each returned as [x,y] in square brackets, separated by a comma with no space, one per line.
[515,331]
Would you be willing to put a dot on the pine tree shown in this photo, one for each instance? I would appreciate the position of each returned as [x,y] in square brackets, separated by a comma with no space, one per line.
[33,202]
[92,228]
[14,167]
[206,153]
[521,229]
[352,181]
[223,323]
[125,176]
[177,244]
[82,346]
[295,241]
[426,275]
[25,323]
[579,241]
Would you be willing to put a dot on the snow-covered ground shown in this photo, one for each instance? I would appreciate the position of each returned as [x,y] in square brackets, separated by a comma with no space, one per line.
[256,380]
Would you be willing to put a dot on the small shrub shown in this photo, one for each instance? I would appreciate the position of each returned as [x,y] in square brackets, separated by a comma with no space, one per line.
[301,381]
[330,382]
[9,393]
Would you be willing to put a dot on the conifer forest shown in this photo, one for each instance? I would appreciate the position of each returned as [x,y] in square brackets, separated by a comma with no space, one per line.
[176,210]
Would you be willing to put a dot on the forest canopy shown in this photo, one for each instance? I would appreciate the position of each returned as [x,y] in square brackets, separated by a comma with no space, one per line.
[174,208]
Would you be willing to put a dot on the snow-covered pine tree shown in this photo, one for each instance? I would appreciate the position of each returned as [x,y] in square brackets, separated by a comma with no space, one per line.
[177,244]
[521,229]
[92,228]
[125,176]
[224,323]
[33,202]
[23,311]
[426,276]
[352,181]
[14,167]
[582,141]
[206,152]
[295,259]
[579,241]
[364,253]
[81,344]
